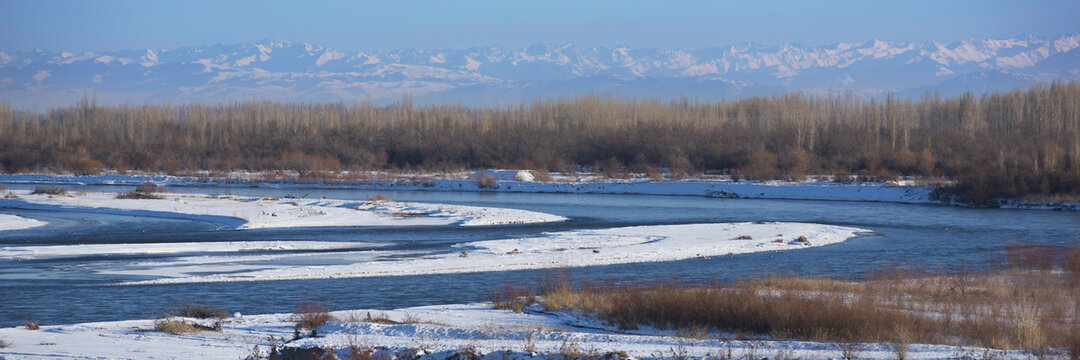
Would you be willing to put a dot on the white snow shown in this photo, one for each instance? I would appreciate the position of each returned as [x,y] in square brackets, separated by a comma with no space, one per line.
[59,251]
[328,56]
[435,332]
[903,192]
[560,249]
[13,222]
[505,175]
[252,213]
[244,61]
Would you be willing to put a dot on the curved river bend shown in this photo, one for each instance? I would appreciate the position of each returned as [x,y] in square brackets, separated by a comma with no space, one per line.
[69,290]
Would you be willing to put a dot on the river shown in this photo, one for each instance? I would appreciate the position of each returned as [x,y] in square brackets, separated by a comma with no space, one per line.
[70,290]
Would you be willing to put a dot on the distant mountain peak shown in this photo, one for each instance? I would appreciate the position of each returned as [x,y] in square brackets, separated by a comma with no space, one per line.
[284,70]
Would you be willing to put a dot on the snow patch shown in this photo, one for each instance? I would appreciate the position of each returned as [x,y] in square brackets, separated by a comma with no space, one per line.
[253,213]
[149,59]
[66,251]
[441,331]
[505,175]
[244,61]
[593,247]
[13,222]
[328,56]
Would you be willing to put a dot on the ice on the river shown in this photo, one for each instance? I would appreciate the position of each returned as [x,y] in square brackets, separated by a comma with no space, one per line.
[13,222]
[559,249]
[61,251]
[433,332]
[253,213]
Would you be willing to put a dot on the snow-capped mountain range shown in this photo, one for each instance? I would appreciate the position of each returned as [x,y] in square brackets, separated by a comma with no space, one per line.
[290,71]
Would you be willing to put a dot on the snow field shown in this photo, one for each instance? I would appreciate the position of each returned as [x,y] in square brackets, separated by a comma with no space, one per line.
[559,249]
[13,222]
[255,213]
[434,332]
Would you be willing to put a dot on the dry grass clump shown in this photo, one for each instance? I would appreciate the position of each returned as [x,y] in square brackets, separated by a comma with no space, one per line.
[541,176]
[1007,309]
[4,344]
[378,199]
[31,325]
[145,191]
[512,297]
[1071,265]
[149,187]
[177,326]
[135,195]
[201,311]
[311,314]
[49,190]
[486,181]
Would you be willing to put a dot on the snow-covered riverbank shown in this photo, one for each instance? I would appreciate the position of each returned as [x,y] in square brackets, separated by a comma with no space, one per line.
[62,251]
[12,222]
[903,192]
[560,249]
[820,188]
[253,213]
[430,332]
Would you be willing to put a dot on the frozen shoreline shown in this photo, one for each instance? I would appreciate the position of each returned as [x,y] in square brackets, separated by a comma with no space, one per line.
[560,249]
[253,213]
[714,187]
[432,332]
[907,192]
[13,222]
[63,251]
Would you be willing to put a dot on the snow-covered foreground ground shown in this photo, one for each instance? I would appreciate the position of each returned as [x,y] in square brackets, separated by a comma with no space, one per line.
[253,213]
[430,332]
[560,249]
[12,222]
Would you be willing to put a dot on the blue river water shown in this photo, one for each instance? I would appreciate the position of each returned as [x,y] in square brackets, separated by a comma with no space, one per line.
[68,290]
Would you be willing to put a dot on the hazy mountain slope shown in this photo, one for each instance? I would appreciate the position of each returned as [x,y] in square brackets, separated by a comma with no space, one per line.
[287,71]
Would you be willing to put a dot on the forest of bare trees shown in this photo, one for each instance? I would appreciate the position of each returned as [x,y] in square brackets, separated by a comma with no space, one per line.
[1023,143]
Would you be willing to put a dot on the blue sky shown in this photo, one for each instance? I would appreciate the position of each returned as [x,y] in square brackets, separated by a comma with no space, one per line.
[109,25]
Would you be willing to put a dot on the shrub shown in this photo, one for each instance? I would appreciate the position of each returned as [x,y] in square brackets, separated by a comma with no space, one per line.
[541,175]
[149,187]
[138,195]
[49,190]
[179,326]
[378,199]
[1071,264]
[512,297]
[311,314]
[1010,310]
[487,182]
[82,165]
[31,325]
[201,311]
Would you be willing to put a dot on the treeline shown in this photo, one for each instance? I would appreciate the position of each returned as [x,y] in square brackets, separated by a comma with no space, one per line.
[1014,144]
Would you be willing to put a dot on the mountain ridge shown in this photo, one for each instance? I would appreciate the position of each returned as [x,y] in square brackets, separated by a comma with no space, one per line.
[283,70]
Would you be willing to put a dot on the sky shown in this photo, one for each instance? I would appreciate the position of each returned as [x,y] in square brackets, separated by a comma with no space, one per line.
[76,25]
